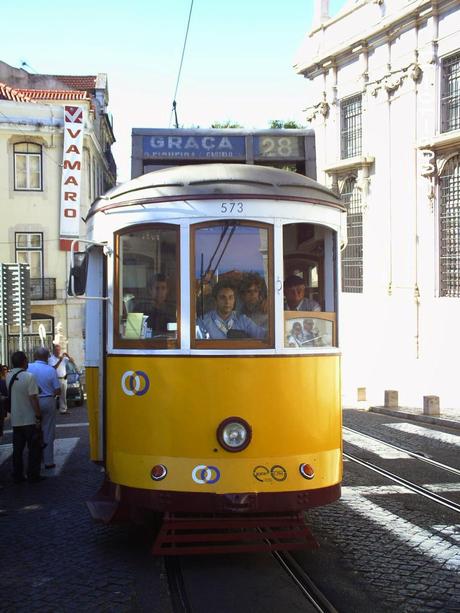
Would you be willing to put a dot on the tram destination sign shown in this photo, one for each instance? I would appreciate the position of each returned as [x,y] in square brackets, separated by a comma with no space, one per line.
[279,147]
[194,147]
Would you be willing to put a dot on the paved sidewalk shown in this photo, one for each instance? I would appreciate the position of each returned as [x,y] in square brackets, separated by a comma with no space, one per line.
[449,418]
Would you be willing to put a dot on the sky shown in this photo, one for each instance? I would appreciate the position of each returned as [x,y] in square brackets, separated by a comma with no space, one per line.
[237,64]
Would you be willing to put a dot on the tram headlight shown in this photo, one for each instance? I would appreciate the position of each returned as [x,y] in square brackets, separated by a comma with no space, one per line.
[234,434]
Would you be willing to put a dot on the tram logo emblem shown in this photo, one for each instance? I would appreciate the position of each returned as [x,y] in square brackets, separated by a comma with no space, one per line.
[135,383]
[205,474]
[265,474]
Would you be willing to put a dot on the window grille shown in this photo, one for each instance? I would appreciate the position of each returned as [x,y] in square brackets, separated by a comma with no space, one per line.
[352,255]
[449,229]
[27,166]
[450,97]
[351,132]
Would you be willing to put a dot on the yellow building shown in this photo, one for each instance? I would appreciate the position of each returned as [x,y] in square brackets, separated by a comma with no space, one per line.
[34,173]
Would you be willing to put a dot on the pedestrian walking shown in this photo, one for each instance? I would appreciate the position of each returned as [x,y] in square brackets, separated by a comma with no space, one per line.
[48,383]
[58,360]
[25,419]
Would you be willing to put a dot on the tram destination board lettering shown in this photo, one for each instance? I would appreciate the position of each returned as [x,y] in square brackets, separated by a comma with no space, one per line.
[194,147]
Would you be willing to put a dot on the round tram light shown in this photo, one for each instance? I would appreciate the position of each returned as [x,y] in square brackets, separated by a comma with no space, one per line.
[158,472]
[234,434]
[307,471]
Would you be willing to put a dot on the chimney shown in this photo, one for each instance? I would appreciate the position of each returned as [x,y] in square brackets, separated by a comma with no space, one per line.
[321,13]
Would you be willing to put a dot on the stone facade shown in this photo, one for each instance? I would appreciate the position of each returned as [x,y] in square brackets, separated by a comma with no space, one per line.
[31,154]
[384,100]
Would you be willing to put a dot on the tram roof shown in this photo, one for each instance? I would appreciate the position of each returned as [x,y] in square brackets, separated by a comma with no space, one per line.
[210,181]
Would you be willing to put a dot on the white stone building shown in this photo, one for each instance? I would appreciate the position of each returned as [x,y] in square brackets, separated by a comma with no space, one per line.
[32,128]
[384,100]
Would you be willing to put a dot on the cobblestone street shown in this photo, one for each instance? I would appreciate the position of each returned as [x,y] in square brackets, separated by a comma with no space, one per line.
[376,538]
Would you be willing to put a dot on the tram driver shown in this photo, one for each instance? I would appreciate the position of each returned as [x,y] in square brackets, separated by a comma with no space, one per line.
[224,322]
[294,296]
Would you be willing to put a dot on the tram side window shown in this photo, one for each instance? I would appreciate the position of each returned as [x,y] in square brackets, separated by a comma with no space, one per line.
[310,272]
[233,286]
[148,287]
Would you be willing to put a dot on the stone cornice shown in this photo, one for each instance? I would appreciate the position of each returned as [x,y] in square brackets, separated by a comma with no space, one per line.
[446,140]
[419,11]
[349,164]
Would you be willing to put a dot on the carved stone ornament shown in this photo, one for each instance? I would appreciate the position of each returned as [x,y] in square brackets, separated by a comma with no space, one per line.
[392,81]
[428,166]
[322,108]
[416,73]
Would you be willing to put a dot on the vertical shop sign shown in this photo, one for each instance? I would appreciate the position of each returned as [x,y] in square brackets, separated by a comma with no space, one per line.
[71,175]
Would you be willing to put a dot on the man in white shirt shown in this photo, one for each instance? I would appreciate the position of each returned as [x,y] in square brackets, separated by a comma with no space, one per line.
[58,361]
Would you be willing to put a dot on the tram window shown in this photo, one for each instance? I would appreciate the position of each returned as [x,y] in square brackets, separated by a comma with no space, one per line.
[233,286]
[309,252]
[147,279]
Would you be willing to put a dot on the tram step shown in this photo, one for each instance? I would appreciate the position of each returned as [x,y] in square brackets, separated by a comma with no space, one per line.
[190,534]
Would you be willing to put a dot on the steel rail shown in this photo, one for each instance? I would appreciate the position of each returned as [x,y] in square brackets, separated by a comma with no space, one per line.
[179,599]
[414,454]
[418,489]
[303,581]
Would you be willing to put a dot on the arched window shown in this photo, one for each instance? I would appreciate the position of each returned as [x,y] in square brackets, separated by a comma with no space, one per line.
[449,229]
[352,255]
[28,166]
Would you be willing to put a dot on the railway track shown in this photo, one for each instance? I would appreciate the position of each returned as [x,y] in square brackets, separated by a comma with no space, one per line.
[311,592]
[179,598]
[316,601]
[410,485]
[414,454]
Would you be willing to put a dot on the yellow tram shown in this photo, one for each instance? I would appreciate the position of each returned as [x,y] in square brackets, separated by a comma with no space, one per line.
[212,359]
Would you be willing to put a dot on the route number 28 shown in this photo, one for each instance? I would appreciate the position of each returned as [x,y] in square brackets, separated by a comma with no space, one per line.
[231,207]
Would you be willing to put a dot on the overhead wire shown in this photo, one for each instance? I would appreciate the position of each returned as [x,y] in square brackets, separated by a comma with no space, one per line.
[174,104]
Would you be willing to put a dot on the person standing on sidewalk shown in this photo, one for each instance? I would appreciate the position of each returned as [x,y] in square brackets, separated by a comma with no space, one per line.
[25,419]
[48,383]
[59,361]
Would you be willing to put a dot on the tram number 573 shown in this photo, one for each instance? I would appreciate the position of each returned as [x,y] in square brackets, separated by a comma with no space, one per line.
[231,207]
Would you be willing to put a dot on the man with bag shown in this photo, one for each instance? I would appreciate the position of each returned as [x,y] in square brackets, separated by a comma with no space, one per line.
[25,419]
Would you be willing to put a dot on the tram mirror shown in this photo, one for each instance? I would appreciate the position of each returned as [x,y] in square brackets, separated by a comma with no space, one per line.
[78,274]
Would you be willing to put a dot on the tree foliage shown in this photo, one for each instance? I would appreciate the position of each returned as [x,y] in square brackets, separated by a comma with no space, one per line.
[225,124]
[289,124]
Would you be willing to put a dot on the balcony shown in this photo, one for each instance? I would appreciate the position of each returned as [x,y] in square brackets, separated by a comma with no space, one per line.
[43,289]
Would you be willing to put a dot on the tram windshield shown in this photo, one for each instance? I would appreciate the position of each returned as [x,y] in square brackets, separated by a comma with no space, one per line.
[309,286]
[232,271]
[148,286]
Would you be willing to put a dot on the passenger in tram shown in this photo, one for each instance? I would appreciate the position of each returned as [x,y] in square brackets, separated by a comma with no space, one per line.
[294,294]
[158,310]
[224,322]
[253,296]
[296,338]
[309,333]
